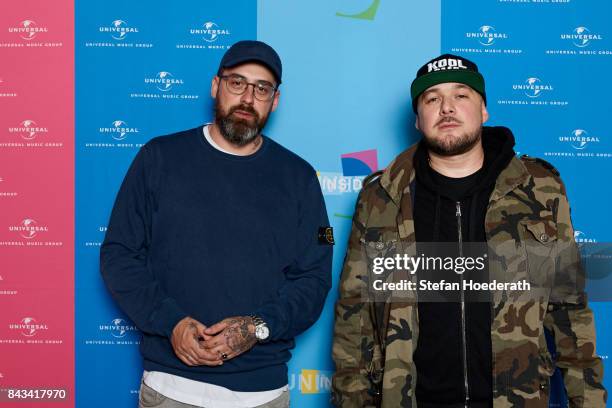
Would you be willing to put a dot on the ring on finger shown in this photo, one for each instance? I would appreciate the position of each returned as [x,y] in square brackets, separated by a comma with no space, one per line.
[223,356]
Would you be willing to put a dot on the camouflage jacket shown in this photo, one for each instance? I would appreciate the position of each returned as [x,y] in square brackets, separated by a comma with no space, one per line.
[374,341]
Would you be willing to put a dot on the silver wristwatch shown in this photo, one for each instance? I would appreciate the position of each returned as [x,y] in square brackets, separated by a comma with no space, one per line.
[261,329]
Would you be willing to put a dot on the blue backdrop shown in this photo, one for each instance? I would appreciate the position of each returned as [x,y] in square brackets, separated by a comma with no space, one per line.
[144,68]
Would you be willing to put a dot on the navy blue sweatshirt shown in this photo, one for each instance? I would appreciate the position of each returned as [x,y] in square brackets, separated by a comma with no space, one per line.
[201,233]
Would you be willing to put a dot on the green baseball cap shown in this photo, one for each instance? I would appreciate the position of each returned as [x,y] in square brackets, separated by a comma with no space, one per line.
[447,68]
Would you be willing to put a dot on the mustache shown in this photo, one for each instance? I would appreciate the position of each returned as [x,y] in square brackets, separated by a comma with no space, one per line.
[448,119]
[245,108]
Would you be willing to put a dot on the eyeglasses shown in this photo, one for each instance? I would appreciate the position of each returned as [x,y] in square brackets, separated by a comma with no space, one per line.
[237,84]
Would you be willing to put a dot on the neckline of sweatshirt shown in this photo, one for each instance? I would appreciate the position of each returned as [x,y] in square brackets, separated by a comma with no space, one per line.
[265,142]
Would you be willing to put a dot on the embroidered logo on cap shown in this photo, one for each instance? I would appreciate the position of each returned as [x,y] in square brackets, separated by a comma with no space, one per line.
[445,64]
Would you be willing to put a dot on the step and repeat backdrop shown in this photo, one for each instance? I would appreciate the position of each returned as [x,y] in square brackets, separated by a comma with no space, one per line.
[83,85]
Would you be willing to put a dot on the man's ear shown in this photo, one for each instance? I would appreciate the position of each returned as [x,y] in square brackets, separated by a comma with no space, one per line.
[484,112]
[214,86]
[275,101]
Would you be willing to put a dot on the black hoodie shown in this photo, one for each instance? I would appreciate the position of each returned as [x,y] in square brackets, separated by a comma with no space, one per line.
[439,353]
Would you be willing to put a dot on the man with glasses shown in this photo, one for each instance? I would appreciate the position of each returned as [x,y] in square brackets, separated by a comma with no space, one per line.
[219,249]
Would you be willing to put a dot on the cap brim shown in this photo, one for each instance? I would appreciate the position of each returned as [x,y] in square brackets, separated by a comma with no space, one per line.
[470,78]
[248,58]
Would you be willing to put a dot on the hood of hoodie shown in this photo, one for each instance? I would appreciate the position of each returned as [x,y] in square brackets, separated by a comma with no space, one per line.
[440,200]
[399,177]
[498,144]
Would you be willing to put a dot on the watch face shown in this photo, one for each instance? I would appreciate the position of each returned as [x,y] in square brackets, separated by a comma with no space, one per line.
[262,332]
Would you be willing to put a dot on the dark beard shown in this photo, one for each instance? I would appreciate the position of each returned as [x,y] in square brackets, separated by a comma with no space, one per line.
[238,132]
[459,146]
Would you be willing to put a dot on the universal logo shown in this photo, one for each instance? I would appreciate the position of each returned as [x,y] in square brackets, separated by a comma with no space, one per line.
[165,85]
[534,92]
[118,332]
[487,35]
[487,40]
[210,32]
[28,130]
[28,30]
[164,81]
[5,94]
[118,328]
[581,37]
[4,193]
[28,228]
[101,229]
[582,238]
[533,87]
[118,30]
[579,139]
[119,130]
[28,327]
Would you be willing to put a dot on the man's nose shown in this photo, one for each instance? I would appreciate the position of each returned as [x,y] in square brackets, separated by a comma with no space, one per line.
[249,95]
[447,106]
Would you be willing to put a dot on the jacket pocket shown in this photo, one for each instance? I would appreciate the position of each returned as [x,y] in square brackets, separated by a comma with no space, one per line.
[380,246]
[540,243]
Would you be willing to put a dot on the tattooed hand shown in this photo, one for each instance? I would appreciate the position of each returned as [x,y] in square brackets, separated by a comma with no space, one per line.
[230,337]
[187,342]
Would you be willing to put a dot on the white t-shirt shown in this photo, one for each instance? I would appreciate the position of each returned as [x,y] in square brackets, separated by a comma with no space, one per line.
[203,394]
[211,141]
[206,395]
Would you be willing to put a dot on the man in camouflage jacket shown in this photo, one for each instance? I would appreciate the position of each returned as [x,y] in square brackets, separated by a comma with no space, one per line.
[529,235]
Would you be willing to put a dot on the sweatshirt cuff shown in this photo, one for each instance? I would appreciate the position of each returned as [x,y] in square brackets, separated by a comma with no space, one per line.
[166,317]
[275,323]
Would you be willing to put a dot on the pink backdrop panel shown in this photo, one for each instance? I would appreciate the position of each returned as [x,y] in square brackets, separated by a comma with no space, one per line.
[37,200]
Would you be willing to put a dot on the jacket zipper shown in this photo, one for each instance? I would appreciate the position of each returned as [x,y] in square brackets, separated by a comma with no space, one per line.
[463,329]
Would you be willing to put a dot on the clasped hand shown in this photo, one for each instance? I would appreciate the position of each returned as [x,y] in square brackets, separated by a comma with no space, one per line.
[195,344]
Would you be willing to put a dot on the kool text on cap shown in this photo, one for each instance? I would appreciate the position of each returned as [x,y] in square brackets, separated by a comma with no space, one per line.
[447,68]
